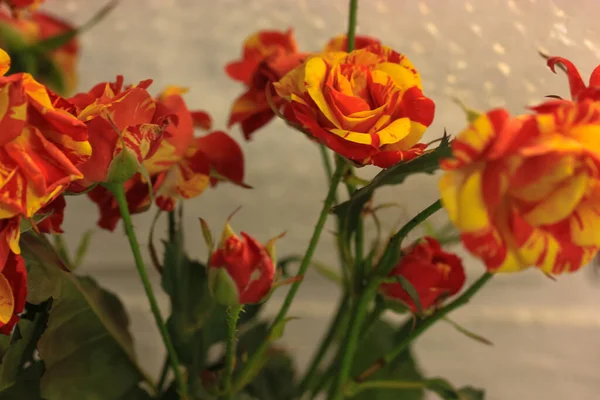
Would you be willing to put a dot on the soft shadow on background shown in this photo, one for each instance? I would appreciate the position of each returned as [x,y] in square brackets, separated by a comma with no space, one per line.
[546,334]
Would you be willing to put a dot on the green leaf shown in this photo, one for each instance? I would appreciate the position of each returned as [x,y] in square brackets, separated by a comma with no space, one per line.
[350,211]
[27,386]
[443,388]
[411,291]
[381,339]
[468,333]
[46,280]
[471,393]
[26,224]
[276,380]
[12,359]
[279,329]
[86,343]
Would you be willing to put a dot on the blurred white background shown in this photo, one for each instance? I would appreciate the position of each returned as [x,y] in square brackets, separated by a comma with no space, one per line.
[546,334]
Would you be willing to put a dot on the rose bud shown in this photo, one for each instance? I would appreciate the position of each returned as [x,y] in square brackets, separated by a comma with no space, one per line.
[434,274]
[241,270]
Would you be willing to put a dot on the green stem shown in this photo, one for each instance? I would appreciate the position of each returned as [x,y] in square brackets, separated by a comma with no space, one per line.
[249,368]
[352,24]
[384,385]
[424,324]
[335,326]
[233,314]
[119,193]
[359,265]
[373,317]
[348,348]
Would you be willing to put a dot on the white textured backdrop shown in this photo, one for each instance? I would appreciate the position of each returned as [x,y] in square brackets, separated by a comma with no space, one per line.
[484,52]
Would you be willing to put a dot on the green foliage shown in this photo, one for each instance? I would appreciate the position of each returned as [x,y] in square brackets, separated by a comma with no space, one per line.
[86,342]
[381,339]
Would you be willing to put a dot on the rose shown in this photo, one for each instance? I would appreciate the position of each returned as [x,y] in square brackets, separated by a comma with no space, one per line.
[240,271]
[122,130]
[41,149]
[182,167]
[524,191]
[267,56]
[13,292]
[340,43]
[52,222]
[56,68]
[367,105]
[434,273]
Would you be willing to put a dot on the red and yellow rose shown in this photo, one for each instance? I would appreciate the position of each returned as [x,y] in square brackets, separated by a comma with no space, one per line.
[13,292]
[267,57]
[525,191]
[182,166]
[367,105]
[434,273]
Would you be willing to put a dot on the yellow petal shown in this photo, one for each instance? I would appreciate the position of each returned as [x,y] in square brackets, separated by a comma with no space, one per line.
[4,62]
[560,203]
[403,78]
[7,300]
[394,132]
[315,76]
[472,210]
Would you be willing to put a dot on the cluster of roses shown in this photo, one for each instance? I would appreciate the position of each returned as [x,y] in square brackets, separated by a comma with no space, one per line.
[523,191]
[52,146]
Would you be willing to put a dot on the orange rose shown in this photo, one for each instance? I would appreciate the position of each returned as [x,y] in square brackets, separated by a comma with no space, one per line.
[58,70]
[367,105]
[267,56]
[525,191]
[18,6]
[41,149]
[122,128]
[579,90]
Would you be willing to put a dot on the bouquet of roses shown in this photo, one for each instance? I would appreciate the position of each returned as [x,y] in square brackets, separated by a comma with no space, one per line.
[520,192]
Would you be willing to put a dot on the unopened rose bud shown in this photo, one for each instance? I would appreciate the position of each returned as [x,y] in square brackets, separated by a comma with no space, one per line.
[241,270]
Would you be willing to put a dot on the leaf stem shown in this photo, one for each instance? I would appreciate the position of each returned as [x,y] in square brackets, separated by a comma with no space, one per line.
[424,324]
[233,314]
[249,368]
[119,193]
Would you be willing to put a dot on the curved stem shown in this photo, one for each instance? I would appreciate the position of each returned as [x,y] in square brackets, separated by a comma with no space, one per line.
[233,314]
[424,324]
[335,326]
[254,361]
[119,193]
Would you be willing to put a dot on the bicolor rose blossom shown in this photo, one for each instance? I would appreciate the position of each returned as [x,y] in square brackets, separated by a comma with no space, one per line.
[39,26]
[367,105]
[267,57]
[123,130]
[13,292]
[579,90]
[182,166]
[340,43]
[55,210]
[42,146]
[241,270]
[525,191]
[434,273]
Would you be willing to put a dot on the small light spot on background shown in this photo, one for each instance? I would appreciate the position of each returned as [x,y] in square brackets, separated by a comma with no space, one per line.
[381,8]
[476,29]
[451,78]
[469,7]
[519,26]
[488,86]
[455,48]
[498,48]
[530,87]
[504,68]
[424,8]
[432,29]
[512,6]
[417,47]
[461,64]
